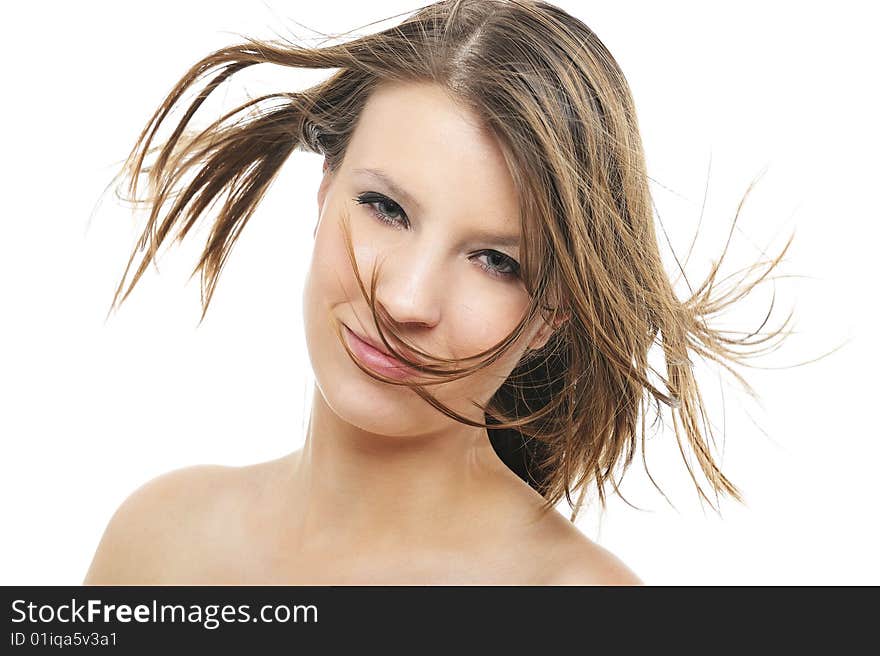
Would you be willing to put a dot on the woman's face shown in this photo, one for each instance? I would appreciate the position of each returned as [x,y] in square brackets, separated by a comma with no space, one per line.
[428,193]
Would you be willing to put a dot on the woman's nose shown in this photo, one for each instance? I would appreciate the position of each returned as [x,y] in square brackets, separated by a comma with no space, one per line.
[411,286]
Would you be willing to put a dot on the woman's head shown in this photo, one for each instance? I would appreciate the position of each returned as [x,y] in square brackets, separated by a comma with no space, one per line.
[426,194]
[502,117]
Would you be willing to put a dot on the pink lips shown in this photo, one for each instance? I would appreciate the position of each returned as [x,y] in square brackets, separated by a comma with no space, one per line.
[375,359]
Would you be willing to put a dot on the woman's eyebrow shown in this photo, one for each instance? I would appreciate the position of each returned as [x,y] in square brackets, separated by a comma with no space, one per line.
[495,238]
[408,199]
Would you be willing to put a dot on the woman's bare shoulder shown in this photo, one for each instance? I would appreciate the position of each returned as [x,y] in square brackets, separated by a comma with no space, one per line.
[581,561]
[558,551]
[149,538]
[592,564]
[571,558]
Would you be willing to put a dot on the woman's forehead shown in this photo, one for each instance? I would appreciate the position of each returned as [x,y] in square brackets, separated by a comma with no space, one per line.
[434,150]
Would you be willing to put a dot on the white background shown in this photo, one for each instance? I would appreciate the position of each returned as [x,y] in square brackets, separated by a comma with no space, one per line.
[90,409]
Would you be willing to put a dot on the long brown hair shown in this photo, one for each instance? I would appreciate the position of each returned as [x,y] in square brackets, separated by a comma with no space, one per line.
[571,412]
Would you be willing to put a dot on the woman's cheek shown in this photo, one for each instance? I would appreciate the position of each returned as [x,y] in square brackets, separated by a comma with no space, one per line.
[486,316]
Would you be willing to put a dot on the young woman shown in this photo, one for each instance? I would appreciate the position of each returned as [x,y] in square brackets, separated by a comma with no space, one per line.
[484,289]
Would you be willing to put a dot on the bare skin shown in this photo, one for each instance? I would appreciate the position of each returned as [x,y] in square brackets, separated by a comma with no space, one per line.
[211,525]
[386,489]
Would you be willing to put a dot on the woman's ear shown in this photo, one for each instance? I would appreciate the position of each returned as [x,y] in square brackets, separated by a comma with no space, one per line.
[546,330]
[322,188]
[322,193]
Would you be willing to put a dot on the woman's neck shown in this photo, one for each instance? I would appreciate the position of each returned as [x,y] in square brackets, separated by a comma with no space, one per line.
[351,485]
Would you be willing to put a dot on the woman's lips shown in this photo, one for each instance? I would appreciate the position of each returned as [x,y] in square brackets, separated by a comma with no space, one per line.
[376,359]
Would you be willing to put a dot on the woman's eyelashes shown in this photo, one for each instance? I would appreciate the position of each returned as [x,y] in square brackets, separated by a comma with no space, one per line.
[391,208]
[387,211]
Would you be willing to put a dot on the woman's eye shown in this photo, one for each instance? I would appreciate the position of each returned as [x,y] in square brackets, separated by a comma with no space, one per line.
[383,208]
[499,265]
